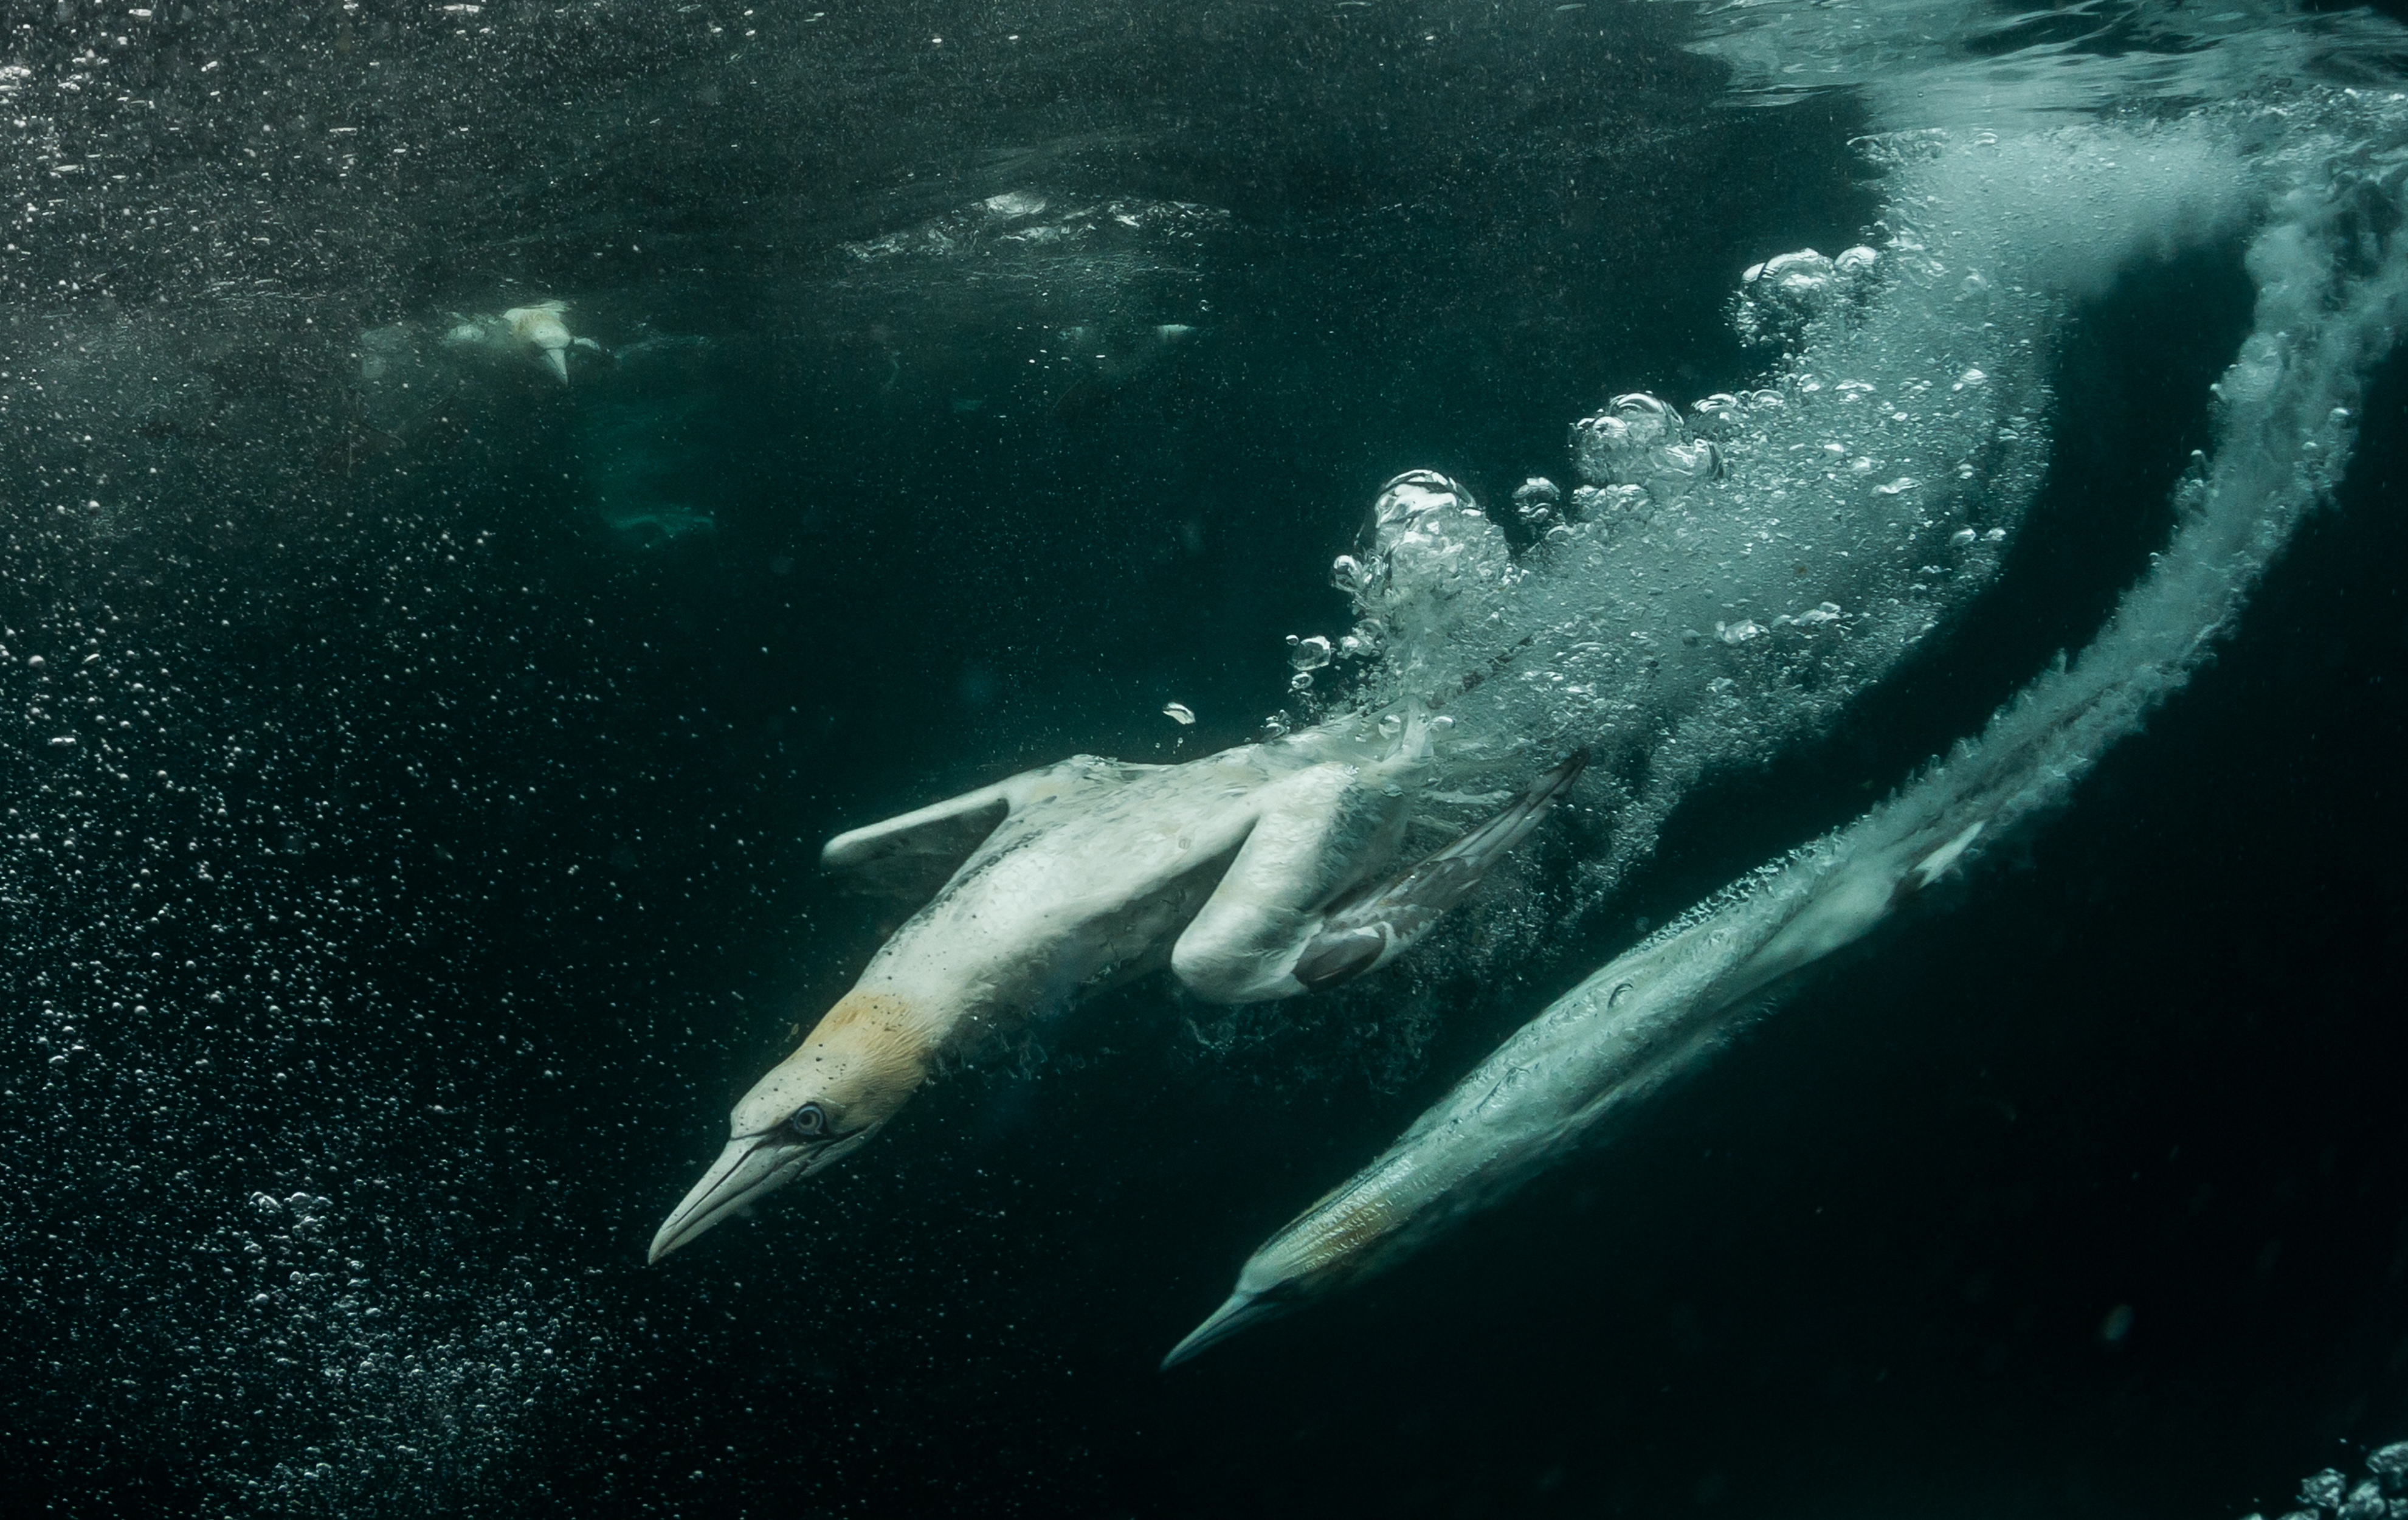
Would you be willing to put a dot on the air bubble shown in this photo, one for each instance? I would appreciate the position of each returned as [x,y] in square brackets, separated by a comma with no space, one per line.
[1308,654]
[1535,500]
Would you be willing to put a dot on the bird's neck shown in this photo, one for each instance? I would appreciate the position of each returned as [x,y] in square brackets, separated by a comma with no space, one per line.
[886,1027]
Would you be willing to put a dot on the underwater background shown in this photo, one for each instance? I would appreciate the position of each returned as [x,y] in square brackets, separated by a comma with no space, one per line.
[421,767]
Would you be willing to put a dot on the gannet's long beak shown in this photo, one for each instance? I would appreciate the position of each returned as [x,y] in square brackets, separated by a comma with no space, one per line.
[558,360]
[1241,1310]
[749,1169]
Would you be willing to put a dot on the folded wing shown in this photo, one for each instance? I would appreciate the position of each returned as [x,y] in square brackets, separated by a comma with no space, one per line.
[912,854]
[1294,913]
[1375,928]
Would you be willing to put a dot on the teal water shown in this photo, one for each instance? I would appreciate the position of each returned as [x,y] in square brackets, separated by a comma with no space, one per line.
[433,860]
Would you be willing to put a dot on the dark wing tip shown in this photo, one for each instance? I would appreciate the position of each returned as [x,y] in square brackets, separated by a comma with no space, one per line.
[1331,958]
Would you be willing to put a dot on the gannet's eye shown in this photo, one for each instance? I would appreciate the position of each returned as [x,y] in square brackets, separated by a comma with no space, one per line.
[809,1121]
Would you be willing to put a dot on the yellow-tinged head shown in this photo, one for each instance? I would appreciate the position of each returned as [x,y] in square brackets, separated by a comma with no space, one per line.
[857,1066]
[1335,1240]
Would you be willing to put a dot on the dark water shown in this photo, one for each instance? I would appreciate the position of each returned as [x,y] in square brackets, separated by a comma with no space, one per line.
[454,862]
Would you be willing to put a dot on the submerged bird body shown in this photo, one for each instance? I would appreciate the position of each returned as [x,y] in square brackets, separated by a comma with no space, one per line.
[540,330]
[540,327]
[1245,871]
[1637,1024]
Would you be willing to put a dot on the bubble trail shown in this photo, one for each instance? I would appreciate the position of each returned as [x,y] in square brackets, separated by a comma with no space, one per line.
[1724,583]
[2331,297]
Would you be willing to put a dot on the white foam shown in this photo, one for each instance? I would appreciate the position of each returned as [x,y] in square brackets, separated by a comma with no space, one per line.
[1724,584]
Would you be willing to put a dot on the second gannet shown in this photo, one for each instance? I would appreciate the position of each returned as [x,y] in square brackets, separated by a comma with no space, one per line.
[2288,415]
[1629,1028]
[1251,872]
[540,327]
[540,330]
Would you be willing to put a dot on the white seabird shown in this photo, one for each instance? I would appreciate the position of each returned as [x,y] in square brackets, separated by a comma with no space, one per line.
[1250,872]
[540,330]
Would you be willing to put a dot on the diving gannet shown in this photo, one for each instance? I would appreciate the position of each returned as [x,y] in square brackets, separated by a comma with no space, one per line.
[538,328]
[1645,1018]
[2285,424]
[1249,871]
